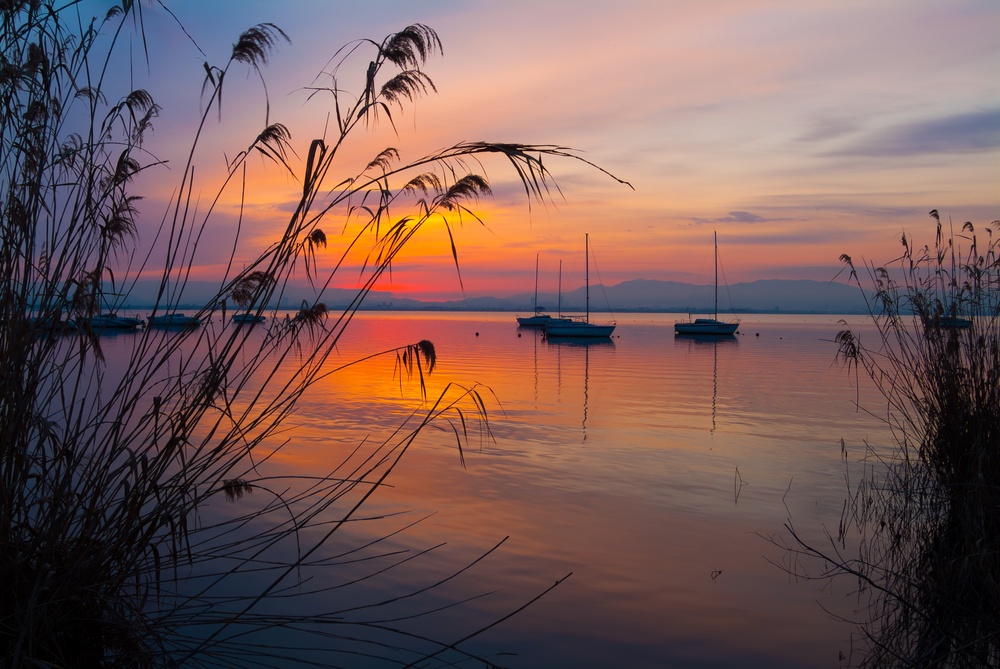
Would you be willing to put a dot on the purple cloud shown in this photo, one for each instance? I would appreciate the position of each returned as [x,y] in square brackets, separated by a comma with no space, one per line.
[960,133]
[738,217]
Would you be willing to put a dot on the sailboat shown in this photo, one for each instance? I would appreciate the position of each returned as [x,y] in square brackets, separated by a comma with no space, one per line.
[247,318]
[709,326]
[568,327]
[173,320]
[954,323]
[109,321]
[539,319]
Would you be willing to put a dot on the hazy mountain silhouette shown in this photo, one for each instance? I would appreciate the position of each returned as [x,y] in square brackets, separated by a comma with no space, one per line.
[777,295]
[766,296]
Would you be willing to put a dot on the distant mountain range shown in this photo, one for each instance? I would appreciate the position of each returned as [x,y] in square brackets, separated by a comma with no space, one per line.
[638,295]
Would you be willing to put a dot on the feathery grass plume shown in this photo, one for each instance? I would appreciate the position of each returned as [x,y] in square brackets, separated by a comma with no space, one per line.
[246,289]
[235,489]
[113,549]
[311,315]
[255,45]
[408,50]
[274,142]
[408,359]
[384,160]
[926,516]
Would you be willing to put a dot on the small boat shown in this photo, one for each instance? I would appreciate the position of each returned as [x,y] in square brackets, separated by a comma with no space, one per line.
[706,326]
[954,323]
[247,319]
[578,328]
[173,320]
[572,327]
[110,321]
[540,319]
[709,326]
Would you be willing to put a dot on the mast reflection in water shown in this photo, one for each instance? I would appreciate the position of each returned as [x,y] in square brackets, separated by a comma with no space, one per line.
[574,346]
[713,342]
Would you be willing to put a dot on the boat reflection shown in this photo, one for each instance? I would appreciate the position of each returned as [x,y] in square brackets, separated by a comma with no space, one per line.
[578,343]
[680,338]
[696,342]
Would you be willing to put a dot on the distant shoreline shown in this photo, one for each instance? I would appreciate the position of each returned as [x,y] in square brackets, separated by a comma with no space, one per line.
[778,296]
[474,310]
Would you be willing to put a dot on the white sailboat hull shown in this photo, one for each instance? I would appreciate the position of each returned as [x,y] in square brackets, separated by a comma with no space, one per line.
[247,319]
[110,321]
[706,326]
[173,321]
[578,329]
[539,320]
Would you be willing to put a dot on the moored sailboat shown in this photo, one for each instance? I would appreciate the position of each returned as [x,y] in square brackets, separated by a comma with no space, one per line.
[108,321]
[709,326]
[572,327]
[539,319]
[248,318]
[173,320]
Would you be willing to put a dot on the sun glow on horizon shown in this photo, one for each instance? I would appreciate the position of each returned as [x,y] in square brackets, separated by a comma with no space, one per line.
[797,133]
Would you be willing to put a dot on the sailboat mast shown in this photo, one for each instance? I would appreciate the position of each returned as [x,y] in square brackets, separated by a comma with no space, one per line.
[536,283]
[560,290]
[587,273]
[715,237]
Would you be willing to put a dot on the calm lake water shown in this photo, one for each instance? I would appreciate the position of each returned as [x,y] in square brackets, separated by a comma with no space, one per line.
[655,469]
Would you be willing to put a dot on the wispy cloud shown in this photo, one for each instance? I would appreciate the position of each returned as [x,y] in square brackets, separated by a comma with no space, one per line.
[959,133]
[739,217]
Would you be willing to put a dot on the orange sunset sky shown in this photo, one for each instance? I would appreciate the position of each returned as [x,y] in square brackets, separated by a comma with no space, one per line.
[798,130]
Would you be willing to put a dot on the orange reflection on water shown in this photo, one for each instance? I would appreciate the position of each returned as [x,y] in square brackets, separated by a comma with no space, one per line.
[645,465]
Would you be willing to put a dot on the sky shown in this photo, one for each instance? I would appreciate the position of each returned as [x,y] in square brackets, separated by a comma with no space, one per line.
[797,130]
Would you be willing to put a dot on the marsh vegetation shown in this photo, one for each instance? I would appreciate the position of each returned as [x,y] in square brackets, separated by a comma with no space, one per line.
[924,513]
[143,521]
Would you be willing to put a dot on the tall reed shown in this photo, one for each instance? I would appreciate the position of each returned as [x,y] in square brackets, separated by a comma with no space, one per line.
[926,517]
[116,549]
